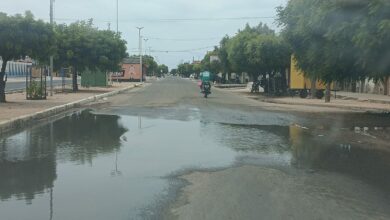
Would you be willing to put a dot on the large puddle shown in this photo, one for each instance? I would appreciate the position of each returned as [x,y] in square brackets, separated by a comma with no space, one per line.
[92,166]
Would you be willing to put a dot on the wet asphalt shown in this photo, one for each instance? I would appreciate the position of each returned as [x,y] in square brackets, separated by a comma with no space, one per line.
[121,160]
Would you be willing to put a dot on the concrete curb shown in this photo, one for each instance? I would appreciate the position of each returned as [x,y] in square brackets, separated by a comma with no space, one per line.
[353,108]
[23,121]
[364,100]
[227,86]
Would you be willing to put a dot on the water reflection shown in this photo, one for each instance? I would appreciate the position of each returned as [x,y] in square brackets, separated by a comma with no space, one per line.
[338,153]
[335,150]
[82,136]
[28,160]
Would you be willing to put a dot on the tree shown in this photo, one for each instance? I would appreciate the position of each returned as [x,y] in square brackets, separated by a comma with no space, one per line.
[338,40]
[82,46]
[213,66]
[258,51]
[173,72]
[185,69]
[20,36]
[223,57]
[162,70]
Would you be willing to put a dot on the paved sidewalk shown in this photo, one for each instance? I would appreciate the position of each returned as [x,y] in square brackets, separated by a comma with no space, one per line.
[335,103]
[17,106]
[363,97]
[355,102]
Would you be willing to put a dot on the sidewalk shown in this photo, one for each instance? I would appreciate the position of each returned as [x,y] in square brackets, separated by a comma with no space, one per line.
[18,108]
[363,97]
[335,103]
[345,100]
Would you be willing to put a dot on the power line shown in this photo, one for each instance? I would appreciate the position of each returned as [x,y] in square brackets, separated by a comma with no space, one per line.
[214,19]
[173,19]
[184,39]
[181,51]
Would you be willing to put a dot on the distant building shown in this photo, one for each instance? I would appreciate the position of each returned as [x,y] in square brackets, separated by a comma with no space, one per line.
[131,71]
[17,68]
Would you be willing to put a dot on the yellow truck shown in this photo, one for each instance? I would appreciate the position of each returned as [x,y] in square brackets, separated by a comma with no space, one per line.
[302,85]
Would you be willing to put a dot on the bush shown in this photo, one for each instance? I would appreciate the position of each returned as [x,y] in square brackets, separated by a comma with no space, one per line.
[36,91]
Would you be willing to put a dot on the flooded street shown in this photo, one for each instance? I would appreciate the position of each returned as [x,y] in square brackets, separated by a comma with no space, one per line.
[131,158]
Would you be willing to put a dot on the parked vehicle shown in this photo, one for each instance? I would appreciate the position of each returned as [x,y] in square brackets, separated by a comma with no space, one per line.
[301,85]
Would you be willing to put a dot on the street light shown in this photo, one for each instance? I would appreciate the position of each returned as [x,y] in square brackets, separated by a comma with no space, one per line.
[140,51]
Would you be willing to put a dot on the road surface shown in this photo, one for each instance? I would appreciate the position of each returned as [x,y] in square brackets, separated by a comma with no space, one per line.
[13,86]
[164,152]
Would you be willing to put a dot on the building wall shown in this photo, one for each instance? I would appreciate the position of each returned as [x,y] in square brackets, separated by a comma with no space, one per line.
[16,69]
[368,86]
[130,72]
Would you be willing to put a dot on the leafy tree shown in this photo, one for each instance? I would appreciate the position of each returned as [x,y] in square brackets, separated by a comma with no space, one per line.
[338,40]
[225,66]
[213,66]
[185,69]
[258,51]
[20,36]
[162,70]
[82,46]
[173,72]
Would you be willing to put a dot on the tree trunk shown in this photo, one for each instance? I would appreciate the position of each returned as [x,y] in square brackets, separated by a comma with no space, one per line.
[313,89]
[386,85]
[353,85]
[2,81]
[327,93]
[284,81]
[362,86]
[75,85]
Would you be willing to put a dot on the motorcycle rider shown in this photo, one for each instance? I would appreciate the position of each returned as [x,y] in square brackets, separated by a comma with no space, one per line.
[205,79]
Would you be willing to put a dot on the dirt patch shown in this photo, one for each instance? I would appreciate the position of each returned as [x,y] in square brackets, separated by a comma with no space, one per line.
[251,192]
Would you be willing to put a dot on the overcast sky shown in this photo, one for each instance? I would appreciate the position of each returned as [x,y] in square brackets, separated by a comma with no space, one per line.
[170,25]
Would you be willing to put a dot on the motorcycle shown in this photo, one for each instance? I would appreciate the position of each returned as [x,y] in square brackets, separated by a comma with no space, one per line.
[206,89]
[255,86]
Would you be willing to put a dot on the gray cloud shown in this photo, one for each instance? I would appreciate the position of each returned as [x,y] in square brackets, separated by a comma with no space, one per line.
[149,13]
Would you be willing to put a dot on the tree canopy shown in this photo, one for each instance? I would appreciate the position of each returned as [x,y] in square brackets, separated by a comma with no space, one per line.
[82,46]
[338,40]
[20,36]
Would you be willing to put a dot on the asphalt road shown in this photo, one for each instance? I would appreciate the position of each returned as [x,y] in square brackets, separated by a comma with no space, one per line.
[289,164]
[12,86]
[164,152]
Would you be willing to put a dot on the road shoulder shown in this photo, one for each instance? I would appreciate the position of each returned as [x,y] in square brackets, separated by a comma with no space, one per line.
[312,105]
[18,112]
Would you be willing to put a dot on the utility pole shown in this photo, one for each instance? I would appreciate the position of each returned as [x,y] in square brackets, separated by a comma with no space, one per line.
[140,51]
[51,57]
[146,49]
[117,16]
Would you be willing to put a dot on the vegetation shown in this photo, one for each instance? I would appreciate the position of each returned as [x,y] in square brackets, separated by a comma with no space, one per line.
[339,40]
[36,90]
[20,36]
[257,51]
[82,46]
[162,70]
